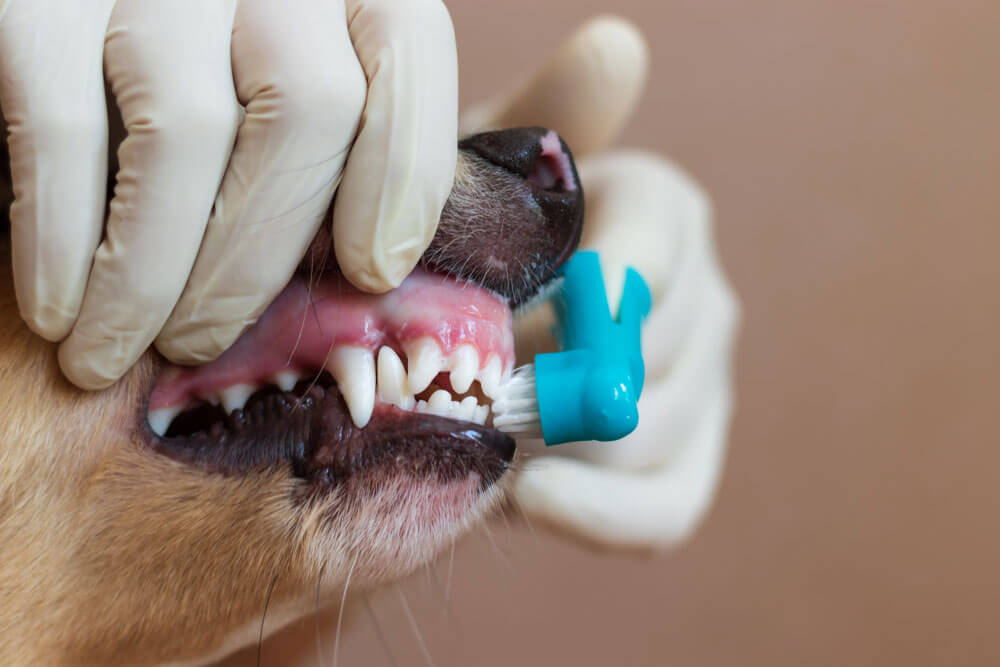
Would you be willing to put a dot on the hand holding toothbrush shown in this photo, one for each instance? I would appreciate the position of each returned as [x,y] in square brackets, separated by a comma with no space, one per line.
[650,489]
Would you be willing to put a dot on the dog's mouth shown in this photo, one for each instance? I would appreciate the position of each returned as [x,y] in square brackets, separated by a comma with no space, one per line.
[331,380]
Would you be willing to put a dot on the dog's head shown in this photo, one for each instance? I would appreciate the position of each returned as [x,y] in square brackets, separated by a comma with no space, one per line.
[344,435]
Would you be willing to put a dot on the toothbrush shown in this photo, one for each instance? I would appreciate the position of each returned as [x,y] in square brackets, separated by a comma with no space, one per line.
[589,389]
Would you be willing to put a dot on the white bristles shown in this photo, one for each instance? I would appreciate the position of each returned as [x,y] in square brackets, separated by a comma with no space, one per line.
[515,409]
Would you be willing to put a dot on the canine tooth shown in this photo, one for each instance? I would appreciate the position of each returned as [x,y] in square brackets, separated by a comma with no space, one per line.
[440,403]
[235,397]
[160,418]
[490,376]
[466,409]
[286,380]
[480,414]
[424,360]
[464,366]
[354,370]
[392,382]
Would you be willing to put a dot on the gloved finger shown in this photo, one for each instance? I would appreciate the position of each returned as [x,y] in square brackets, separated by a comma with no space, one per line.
[647,214]
[648,509]
[402,165]
[586,90]
[298,77]
[169,66]
[52,95]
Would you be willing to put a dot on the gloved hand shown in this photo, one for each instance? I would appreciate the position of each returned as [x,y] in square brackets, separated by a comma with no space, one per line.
[650,489]
[211,215]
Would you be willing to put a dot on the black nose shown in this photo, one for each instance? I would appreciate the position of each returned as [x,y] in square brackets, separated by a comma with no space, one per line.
[536,154]
[532,244]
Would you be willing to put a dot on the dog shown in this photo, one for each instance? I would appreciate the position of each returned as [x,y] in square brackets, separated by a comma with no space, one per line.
[343,437]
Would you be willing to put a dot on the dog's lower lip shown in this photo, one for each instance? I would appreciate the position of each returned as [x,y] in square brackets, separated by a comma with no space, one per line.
[311,432]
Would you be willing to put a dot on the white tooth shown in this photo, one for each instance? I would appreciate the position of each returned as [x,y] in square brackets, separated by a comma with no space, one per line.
[466,409]
[440,403]
[160,418]
[392,384]
[286,380]
[490,376]
[354,370]
[422,407]
[213,398]
[464,366]
[480,414]
[235,397]
[424,360]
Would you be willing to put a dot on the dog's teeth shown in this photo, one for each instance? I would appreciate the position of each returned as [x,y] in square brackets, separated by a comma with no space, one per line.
[464,364]
[490,377]
[440,403]
[392,383]
[422,407]
[354,370]
[235,397]
[286,380]
[424,361]
[160,418]
[480,414]
[466,409]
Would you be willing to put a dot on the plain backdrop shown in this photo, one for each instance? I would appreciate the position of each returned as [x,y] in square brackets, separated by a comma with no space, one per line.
[852,153]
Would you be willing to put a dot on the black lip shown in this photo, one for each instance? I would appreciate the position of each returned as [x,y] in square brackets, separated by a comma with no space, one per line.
[311,432]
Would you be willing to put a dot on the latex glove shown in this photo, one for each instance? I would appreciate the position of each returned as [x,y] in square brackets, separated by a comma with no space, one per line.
[650,489]
[211,215]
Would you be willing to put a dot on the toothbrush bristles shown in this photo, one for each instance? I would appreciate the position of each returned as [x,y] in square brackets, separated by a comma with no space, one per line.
[515,411]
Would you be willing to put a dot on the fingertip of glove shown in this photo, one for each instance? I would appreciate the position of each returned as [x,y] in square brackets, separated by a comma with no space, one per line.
[621,48]
[197,347]
[78,371]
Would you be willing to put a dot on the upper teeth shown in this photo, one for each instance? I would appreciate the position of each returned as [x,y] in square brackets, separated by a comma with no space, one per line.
[360,377]
[424,361]
[393,385]
[235,396]
[354,370]
[464,367]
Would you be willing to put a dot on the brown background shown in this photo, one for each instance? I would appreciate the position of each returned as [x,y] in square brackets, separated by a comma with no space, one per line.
[853,155]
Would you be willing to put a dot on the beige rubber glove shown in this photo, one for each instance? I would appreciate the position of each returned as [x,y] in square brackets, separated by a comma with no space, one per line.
[211,215]
[650,489]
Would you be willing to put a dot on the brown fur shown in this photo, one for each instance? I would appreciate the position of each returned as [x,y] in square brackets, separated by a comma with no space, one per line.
[112,554]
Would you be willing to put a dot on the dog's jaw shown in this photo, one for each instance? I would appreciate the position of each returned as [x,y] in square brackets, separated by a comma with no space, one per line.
[112,553]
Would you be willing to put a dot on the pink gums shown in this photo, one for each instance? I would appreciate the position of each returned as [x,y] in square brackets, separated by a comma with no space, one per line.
[299,329]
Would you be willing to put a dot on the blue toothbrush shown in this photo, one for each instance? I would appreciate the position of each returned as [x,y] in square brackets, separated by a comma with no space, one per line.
[589,389]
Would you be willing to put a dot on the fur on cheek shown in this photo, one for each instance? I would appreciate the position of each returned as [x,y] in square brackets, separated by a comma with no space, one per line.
[381,528]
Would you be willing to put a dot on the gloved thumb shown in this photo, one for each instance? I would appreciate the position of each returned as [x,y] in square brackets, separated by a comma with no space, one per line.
[586,89]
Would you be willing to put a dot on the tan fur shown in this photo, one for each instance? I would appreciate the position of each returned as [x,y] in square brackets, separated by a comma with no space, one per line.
[113,554]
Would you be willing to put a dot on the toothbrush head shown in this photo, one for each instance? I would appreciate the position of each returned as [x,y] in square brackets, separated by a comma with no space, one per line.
[590,389]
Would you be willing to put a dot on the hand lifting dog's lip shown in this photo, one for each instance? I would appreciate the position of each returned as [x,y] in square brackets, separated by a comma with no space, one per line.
[343,435]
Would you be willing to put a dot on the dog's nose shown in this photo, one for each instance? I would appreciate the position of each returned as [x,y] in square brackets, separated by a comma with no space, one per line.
[540,157]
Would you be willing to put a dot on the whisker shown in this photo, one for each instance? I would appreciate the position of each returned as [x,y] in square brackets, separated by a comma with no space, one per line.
[260,635]
[340,614]
[451,570]
[378,631]
[413,626]
[439,588]
[319,639]
[505,561]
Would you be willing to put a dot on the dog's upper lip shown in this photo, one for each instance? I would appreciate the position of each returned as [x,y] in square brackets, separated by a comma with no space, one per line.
[301,330]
